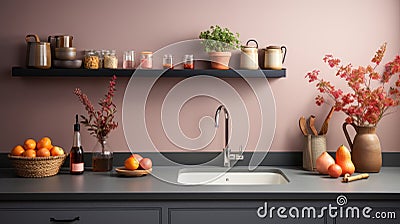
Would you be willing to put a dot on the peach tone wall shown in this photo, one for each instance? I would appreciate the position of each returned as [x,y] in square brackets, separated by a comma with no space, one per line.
[39,106]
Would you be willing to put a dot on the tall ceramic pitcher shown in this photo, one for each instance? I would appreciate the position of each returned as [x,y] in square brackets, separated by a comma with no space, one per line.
[365,148]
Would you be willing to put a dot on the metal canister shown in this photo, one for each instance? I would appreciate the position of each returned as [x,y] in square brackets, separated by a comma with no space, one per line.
[38,54]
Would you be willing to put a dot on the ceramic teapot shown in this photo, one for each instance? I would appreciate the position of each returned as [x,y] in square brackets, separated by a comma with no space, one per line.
[274,57]
[249,56]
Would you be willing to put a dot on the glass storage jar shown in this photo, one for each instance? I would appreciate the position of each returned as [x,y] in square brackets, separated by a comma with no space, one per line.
[188,62]
[111,60]
[146,59]
[128,60]
[101,58]
[167,62]
[91,60]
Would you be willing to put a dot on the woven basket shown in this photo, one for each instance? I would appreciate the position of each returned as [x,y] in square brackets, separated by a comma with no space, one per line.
[38,166]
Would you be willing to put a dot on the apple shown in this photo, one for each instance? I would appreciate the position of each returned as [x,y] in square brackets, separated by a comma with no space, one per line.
[145,163]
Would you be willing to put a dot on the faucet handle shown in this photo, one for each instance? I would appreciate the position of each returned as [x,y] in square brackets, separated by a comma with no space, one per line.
[241,150]
[240,156]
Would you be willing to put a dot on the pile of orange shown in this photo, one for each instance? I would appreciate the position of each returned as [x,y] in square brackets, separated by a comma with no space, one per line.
[41,148]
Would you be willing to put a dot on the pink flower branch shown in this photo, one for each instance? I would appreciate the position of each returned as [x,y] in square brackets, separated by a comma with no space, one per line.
[100,122]
[364,105]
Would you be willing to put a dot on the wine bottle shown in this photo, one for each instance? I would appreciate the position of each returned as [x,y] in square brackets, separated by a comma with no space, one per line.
[76,163]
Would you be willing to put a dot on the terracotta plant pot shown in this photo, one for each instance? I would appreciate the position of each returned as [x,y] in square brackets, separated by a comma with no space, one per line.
[366,151]
[220,60]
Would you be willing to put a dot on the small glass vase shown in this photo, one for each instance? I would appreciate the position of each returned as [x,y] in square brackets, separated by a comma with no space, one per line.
[102,158]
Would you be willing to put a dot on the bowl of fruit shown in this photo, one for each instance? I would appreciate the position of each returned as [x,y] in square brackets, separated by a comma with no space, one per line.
[135,166]
[37,159]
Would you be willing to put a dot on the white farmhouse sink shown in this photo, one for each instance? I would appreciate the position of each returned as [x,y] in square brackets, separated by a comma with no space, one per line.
[218,176]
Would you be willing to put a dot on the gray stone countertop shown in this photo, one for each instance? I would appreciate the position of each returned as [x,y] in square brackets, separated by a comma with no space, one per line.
[109,186]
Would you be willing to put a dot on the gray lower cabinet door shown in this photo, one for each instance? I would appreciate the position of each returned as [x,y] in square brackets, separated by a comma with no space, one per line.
[245,212]
[364,214]
[231,216]
[86,216]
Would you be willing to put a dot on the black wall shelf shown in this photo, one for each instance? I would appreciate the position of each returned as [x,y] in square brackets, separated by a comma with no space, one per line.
[80,72]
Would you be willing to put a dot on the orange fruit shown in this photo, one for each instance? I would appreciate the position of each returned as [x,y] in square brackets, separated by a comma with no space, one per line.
[45,142]
[30,153]
[131,163]
[17,150]
[29,144]
[56,151]
[43,152]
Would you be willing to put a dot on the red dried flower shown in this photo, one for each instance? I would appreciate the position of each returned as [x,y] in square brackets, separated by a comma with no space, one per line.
[100,122]
[364,105]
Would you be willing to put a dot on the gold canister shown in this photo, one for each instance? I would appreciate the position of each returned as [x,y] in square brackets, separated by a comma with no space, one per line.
[38,53]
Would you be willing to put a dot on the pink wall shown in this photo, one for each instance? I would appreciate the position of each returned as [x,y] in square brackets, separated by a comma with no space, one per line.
[35,107]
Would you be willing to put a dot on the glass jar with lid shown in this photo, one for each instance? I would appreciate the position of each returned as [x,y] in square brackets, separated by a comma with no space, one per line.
[101,58]
[111,60]
[128,59]
[188,62]
[91,60]
[167,62]
[146,59]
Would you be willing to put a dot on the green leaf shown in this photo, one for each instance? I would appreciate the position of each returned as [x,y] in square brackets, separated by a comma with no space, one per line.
[218,39]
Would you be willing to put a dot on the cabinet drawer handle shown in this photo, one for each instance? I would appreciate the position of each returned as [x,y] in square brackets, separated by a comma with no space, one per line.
[64,220]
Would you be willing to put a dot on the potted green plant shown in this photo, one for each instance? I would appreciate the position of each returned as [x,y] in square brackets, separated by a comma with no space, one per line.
[218,42]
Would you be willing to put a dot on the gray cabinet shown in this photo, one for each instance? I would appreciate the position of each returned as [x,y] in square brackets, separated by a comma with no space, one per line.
[370,213]
[239,212]
[195,212]
[80,216]
[229,215]
[78,212]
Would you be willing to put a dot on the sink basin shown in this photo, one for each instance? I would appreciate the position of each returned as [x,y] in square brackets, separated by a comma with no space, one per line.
[218,176]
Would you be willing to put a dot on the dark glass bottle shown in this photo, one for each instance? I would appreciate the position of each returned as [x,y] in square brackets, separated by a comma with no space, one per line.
[76,163]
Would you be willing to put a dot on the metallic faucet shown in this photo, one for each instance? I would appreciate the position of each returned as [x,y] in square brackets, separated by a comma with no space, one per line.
[228,156]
